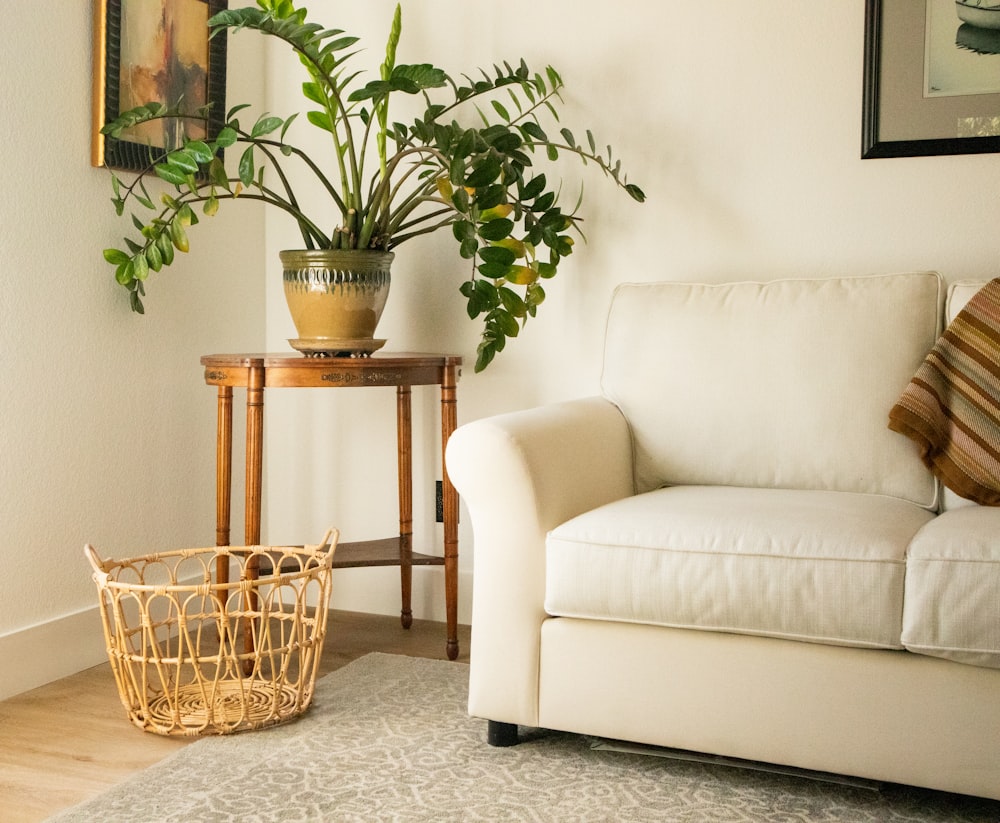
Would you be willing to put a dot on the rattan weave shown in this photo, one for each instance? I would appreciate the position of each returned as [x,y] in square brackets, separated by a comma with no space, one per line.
[191,656]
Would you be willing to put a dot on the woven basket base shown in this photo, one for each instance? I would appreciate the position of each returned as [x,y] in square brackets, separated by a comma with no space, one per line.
[233,706]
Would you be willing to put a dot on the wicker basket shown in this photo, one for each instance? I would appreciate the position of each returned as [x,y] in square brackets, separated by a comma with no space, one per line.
[194,657]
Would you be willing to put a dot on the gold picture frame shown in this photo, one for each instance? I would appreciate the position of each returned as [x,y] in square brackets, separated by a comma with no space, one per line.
[149,50]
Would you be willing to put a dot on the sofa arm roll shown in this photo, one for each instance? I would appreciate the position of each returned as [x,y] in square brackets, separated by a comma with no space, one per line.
[520,475]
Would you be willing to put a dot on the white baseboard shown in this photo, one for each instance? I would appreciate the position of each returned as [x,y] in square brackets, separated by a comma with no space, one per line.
[49,651]
[69,644]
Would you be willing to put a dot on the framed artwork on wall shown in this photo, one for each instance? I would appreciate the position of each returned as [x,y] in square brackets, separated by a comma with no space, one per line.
[931,77]
[155,50]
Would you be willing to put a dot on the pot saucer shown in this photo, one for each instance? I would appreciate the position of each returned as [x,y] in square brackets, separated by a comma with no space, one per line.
[335,346]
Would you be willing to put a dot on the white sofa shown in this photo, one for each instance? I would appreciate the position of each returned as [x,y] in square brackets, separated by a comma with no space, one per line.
[729,552]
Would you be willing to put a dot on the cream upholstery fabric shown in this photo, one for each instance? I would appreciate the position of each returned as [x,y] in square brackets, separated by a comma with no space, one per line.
[826,567]
[784,384]
[884,715]
[520,474]
[952,603]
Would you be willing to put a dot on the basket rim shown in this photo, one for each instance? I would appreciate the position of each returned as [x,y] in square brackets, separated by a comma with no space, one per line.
[323,552]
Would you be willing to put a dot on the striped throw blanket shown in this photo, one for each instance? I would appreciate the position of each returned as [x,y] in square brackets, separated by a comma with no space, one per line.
[951,407]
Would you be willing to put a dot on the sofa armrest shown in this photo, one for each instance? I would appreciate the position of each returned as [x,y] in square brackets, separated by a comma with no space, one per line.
[520,475]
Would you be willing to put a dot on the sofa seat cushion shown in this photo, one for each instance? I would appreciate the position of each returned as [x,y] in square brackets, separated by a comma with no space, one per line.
[818,566]
[952,604]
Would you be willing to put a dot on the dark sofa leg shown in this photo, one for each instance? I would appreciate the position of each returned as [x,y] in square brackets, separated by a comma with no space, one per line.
[501,734]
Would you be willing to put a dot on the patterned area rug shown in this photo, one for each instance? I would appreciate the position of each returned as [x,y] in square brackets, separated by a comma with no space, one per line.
[388,739]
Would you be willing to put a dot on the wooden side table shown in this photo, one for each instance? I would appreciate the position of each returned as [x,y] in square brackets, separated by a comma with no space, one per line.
[255,372]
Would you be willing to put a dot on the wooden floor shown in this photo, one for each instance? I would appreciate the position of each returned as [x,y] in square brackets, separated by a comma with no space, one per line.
[69,740]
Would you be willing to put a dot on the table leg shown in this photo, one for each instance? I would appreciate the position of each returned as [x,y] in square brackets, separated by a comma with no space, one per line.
[223,478]
[449,421]
[255,453]
[254,458]
[404,442]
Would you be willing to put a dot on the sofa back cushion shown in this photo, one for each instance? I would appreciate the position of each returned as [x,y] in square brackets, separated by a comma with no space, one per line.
[784,384]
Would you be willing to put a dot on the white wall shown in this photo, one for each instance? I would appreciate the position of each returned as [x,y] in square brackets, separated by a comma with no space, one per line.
[106,426]
[742,122]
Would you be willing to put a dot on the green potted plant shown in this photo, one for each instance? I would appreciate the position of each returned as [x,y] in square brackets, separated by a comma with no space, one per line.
[390,182]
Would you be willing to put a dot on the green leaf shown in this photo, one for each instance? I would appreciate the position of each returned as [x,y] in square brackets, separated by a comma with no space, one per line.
[466,144]
[200,151]
[463,230]
[181,159]
[143,195]
[512,301]
[227,137]
[468,248]
[535,132]
[246,167]
[236,109]
[456,174]
[116,256]
[140,268]
[166,246]
[136,303]
[635,193]
[494,271]
[423,75]
[374,90]
[508,323]
[533,188]
[217,173]
[170,174]
[498,255]
[490,197]
[178,235]
[499,109]
[544,203]
[320,119]
[288,122]
[485,172]
[154,258]
[496,229]
[485,357]
[265,125]
[313,91]
[123,274]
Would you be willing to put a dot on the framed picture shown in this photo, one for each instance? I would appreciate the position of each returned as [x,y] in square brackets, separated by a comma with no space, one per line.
[155,50]
[932,77]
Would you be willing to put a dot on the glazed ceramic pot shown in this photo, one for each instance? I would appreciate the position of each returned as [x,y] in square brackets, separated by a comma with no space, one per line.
[336,298]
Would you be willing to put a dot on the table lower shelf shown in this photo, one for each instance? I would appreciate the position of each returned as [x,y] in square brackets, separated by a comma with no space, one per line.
[365,553]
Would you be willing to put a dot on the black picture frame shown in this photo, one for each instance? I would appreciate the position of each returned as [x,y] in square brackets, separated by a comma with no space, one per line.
[887,24]
[134,155]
